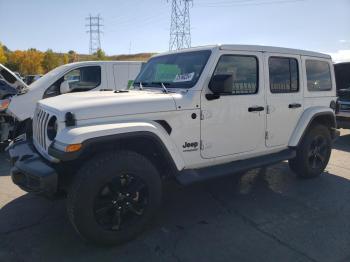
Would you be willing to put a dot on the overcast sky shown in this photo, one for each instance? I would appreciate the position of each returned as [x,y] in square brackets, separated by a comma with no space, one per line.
[143,25]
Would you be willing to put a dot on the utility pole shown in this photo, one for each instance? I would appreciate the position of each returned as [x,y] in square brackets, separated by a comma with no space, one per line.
[94,29]
[180,27]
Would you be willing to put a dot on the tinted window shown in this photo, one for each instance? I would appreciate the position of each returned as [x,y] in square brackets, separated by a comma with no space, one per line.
[342,75]
[318,75]
[84,78]
[284,76]
[244,71]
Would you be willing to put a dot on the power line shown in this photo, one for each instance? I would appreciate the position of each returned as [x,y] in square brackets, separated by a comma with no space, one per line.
[94,25]
[180,27]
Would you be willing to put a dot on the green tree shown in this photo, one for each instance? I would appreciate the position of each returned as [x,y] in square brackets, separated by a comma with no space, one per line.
[100,54]
[50,61]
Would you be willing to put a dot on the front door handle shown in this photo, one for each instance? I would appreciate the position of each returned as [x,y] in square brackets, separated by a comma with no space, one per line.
[256,108]
[294,105]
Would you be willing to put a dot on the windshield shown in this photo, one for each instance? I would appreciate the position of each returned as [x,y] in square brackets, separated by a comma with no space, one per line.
[180,70]
[50,75]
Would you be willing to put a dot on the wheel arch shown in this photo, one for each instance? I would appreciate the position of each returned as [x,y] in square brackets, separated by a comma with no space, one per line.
[148,139]
[311,116]
[142,142]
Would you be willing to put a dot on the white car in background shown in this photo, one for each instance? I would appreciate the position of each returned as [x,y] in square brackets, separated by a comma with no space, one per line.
[73,77]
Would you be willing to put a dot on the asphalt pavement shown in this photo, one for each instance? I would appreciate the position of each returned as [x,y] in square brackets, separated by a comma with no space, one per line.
[266,214]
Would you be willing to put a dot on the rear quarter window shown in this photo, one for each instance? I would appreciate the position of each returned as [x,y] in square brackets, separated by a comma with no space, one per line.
[318,75]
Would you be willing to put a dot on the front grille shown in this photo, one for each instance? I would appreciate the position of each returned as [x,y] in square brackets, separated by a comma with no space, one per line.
[40,121]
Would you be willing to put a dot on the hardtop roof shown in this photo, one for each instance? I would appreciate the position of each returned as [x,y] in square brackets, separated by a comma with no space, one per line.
[257,48]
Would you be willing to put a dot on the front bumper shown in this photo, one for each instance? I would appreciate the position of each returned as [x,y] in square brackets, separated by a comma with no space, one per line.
[343,114]
[343,120]
[30,171]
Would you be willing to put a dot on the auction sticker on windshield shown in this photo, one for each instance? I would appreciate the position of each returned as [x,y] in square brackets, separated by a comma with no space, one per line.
[184,77]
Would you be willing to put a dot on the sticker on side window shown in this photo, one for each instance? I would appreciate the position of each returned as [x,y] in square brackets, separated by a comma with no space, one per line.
[184,77]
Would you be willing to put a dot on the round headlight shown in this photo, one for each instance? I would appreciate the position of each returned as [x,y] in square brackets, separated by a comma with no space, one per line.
[52,128]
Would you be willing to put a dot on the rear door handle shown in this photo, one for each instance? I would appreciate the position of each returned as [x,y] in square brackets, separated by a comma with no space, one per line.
[256,108]
[294,105]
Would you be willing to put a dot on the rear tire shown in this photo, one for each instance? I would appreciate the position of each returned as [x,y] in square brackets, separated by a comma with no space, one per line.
[313,152]
[113,197]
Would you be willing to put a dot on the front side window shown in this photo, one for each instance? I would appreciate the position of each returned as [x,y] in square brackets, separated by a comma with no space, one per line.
[179,70]
[284,76]
[244,72]
[318,75]
[84,78]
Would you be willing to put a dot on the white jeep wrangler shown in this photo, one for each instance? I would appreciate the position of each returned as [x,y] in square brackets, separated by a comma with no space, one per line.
[193,115]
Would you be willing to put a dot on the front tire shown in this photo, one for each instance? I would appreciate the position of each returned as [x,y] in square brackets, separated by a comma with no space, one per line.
[313,153]
[113,197]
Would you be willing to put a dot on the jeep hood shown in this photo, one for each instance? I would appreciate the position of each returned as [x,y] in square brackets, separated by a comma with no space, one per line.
[98,104]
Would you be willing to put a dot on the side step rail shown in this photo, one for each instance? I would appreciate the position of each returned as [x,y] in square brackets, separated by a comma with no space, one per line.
[190,176]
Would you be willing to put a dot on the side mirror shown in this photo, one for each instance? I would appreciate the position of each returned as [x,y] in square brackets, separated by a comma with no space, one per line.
[64,87]
[220,84]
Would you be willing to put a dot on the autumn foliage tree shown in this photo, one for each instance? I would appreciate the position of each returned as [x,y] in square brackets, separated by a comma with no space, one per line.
[3,58]
[32,62]
[15,59]
[72,56]
[50,60]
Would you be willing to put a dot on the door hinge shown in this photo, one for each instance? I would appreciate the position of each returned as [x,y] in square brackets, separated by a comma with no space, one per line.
[201,146]
[267,109]
[205,114]
[266,135]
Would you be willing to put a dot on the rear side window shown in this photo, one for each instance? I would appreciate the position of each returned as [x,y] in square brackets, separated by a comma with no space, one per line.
[244,70]
[284,75]
[318,75]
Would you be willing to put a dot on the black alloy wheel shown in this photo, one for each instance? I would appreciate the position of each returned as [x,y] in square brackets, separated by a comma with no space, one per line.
[121,202]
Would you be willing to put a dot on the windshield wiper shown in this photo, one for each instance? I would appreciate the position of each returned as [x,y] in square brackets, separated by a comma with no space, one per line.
[164,88]
[139,85]
[162,84]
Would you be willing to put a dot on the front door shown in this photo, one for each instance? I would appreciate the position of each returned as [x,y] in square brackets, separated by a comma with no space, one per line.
[235,122]
[284,97]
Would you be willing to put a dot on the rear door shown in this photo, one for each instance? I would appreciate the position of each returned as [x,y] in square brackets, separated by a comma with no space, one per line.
[284,97]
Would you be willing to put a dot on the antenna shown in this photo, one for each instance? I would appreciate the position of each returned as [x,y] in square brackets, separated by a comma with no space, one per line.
[180,27]
[94,25]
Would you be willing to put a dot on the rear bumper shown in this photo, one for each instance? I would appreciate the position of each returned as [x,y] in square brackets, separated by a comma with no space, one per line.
[30,171]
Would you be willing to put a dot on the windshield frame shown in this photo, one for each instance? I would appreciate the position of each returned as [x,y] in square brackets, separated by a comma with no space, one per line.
[179,85]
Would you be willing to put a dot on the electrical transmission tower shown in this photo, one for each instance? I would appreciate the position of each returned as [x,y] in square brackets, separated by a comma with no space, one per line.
[180,28]
[94,25]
